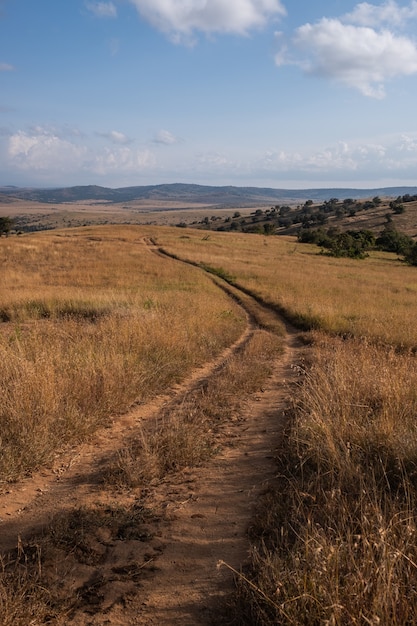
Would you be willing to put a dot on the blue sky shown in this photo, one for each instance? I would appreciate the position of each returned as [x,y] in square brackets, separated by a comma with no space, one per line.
[242,92]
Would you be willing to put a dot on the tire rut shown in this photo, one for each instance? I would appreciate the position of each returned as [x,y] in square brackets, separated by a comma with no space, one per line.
[202,513]
[24,505]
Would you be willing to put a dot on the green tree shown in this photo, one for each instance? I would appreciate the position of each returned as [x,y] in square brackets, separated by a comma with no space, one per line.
[390,240]
[5,225]
[269,229]
[411,254]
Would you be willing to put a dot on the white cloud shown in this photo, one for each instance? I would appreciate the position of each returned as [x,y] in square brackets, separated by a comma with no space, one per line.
[102,9]
[213,159]
[181,18]
[398,153]
[165,137]
[358,56]
[122,160]
[116,137]
[390,13]
[408,144]
[43,150]
[6,67]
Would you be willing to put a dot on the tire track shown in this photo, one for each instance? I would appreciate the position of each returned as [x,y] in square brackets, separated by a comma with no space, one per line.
[24,505]
[203,512]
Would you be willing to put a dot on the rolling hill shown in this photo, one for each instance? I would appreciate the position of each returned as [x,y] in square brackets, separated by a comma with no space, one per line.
[226,196]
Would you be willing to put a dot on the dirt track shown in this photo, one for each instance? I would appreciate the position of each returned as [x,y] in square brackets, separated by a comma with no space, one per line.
[159,568]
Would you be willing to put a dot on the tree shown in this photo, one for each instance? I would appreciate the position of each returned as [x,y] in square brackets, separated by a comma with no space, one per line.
[390,240]
[352,243]
[5,225]
[411,254]
[269,229]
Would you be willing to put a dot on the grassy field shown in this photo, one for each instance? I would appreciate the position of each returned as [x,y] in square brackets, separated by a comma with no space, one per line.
[335,540]
[93,322]
[374,298]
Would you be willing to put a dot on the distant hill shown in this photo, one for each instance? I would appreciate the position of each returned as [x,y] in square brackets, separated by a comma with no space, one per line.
[227,196]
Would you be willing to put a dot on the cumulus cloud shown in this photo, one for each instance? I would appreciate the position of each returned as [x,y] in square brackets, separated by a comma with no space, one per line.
[122,160]
[359,56]
[398,153]
[116,137]
[390,13]
[165,137]
[181,19]
[408,144]
[45,150]
[213,159]
[102,9]
[42,149]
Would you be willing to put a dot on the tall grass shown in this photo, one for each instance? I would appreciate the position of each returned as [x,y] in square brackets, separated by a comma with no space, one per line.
[94,324]
[336,539]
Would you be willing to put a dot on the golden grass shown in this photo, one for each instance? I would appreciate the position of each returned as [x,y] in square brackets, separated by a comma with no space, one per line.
[185,435]
[95,323]
[335,539]
[374,298]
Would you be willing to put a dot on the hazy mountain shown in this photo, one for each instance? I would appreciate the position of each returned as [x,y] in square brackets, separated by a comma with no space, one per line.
[227,196]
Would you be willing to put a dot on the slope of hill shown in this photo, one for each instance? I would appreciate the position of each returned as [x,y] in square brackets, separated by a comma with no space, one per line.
[227,196]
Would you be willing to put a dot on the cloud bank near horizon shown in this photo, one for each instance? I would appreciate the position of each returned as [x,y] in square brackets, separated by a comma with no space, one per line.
[53,154]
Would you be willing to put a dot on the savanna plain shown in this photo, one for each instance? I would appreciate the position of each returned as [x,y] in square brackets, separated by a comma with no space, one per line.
[101,319]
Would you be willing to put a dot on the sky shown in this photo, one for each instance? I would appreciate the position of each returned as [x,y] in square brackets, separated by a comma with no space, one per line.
[265,93]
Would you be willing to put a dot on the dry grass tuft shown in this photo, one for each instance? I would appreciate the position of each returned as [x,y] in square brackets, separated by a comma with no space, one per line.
[25,595]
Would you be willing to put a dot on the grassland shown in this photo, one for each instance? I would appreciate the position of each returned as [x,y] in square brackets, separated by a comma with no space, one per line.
[335,540]
[375,299]
[93,323]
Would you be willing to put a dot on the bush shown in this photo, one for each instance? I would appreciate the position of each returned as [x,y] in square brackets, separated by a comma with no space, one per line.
[411,254]
[390,240]
[353,244]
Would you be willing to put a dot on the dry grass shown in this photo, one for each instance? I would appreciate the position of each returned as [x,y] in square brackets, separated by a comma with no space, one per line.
[71,548]
[374,298]
[26,596]
[335,541]
[185,435]
[95,322]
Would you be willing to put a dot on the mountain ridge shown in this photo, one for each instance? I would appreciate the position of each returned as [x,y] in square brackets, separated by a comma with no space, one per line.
[227,196]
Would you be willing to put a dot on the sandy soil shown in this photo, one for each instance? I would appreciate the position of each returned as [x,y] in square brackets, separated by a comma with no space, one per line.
[157,564]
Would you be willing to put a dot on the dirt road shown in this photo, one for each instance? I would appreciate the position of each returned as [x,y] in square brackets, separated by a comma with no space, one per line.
[152,556]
